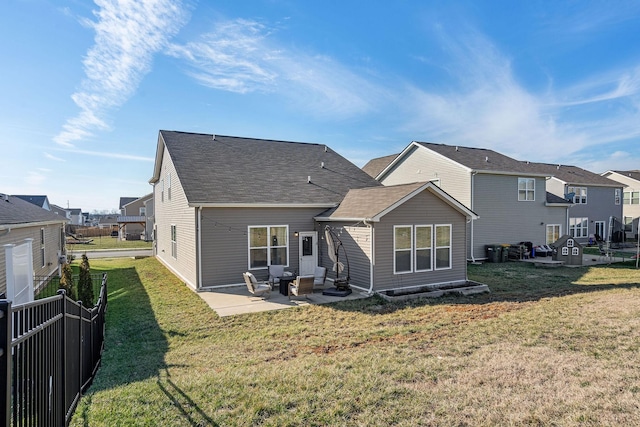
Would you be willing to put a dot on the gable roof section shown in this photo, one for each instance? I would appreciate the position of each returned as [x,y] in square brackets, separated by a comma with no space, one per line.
[219,170]
[479,160]
[373,203]
[135,199]
[631,174]
[15,211]
[41,201]
[553,200]
[573,175]
[126,200]
[375,166]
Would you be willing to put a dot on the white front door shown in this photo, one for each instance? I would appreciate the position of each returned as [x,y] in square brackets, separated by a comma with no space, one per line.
[308,252]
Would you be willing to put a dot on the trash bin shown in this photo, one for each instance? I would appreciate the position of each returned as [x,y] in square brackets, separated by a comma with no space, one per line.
[493,252]
[505,253]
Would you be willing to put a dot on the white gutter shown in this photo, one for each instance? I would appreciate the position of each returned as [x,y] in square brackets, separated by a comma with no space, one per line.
[473,259]
[199,234]
[373,255]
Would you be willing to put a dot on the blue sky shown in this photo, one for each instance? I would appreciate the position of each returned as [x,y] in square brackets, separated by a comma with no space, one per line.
[85,86]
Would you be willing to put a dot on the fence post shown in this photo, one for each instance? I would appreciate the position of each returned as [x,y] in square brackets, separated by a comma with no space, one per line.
[5,361]
[63,363]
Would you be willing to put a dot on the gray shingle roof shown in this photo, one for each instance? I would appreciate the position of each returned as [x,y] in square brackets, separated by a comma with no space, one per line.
[574,175]
[479,159]
[126,201]
[633,174]
[36,200]
[16,211]
[375,166]
[235,170]
[553,199]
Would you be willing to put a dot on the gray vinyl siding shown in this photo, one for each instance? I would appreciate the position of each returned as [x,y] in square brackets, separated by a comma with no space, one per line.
[133,209]
[225,245]
[423,209]
[356,241]
[633,211]
[600,206]
[53,248]
[504,219]
[175,211]
[423,165]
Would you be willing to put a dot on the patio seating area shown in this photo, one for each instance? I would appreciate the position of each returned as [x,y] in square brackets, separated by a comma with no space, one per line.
[236,300]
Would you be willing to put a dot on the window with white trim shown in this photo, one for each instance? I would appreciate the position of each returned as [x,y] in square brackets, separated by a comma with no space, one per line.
[402,249]
[424,243]
[42,251]
[580,195]
[616,196]
[526,189]
[168,186]
[421,248]
[628,224]
[174,241]
[443,247]
[268,245]
[631,198]
[579,227]
[162,190]
[553,233]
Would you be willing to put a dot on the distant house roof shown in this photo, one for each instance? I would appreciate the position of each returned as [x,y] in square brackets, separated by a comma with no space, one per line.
[218,170]
[574,175]
[126,200]
[41,201]
[374,202]
[58,210]
[138,199]
[16,211]
[633,174]
[75,211]
[375,166]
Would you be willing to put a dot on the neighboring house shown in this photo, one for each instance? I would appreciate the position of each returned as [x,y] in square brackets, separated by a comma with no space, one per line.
[76,216]
[40,201]
[61,211]
[401,236]
[597,201]
[630,199]
[508,195]
[20,220]
[133,219]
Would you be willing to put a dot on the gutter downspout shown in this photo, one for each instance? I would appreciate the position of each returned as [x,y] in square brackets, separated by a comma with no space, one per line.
[473,259]
[373,255]
[199,234]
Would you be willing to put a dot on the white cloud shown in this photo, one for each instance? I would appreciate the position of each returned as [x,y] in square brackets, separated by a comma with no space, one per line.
[486,106]
[240,56]
[110,155]
[52,157]
[128,34]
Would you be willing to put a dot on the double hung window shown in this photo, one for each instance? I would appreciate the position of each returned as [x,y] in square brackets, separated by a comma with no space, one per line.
[420,248]
[526,189]
[268,245]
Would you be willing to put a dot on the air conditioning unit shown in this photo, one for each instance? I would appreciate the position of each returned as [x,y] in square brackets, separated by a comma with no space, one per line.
[62,259]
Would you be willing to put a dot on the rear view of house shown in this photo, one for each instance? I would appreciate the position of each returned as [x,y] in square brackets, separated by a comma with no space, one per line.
[226,205]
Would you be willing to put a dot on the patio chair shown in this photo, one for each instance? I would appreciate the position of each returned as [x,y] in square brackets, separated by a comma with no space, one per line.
[259,289]
[319,276]
[303,285]
[275,273]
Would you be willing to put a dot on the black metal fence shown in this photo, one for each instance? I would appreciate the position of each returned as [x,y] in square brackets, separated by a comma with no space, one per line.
[50,350]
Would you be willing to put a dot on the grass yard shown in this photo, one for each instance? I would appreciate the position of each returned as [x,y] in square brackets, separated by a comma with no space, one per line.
[108,242]
[547,347]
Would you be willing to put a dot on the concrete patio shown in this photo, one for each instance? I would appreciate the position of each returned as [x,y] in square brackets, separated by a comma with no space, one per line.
[237,300]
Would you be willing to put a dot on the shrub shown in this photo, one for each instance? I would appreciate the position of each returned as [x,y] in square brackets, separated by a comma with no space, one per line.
[85,283]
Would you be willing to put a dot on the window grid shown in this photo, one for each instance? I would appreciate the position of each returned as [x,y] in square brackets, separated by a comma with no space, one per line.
[579,227]
[174,242]
[268,245]
[419,248]
[526,189]
[580,195]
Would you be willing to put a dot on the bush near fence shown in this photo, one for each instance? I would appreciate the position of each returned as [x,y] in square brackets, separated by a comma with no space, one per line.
[48,286]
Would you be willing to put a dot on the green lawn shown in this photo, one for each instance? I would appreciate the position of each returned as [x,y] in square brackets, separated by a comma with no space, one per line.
[108,242]
[547,347]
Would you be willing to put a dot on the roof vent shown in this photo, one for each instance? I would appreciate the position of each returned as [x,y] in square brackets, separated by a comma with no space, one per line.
[558,167]
[325,149]
[214,137]
[457,149]
[486,159]
[5,197]
[309,179]
[322,165]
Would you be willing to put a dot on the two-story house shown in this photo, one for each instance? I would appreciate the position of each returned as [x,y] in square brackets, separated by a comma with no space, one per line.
[509,196]
[630,199]
[597,201]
